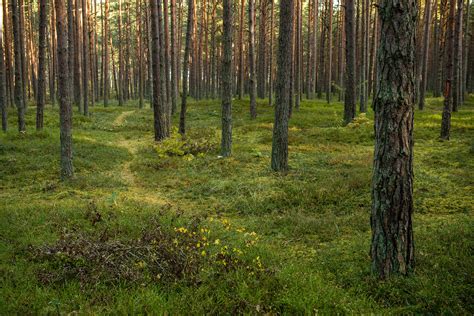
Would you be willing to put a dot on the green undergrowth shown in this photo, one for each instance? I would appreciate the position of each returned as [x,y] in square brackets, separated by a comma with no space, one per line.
[148,228]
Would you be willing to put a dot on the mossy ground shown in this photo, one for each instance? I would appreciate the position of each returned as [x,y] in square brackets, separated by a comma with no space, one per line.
[312,223]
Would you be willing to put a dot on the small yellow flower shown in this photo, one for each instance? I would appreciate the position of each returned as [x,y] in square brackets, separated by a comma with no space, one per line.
[203,253]
[217,242]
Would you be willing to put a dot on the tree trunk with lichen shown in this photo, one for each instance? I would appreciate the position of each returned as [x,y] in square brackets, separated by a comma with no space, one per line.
[392,248]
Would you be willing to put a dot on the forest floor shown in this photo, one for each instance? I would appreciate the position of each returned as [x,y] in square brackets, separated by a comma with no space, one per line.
[244,239]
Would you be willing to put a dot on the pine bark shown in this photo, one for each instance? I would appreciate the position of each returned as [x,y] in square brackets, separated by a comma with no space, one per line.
[329,70]
[392,248]
[457,56]
[424,61]
[252,79]
[18,52]
[448,86]
[65,109]
[187,55]
[226,71]
[174,59]
[3,96]
[105,38]
[159,107]
[262,44]
[350,94]
[41,91]
[282,99]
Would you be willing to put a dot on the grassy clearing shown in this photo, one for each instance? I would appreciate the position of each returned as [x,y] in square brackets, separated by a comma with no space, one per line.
[310,248]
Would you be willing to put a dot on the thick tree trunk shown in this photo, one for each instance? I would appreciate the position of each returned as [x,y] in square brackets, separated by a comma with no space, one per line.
[350,95]
[282,102]
[226,71]
[187,54]
[392,247]
[65,109]
[252,79]
[448,88]
[41,91]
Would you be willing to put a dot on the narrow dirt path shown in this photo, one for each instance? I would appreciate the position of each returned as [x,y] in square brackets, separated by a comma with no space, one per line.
[135,191]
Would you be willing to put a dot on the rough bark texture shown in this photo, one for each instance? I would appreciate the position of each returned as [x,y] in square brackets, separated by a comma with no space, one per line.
[187,53]
[252,79]
[350,94]
[392,249]
[65,109]
[41,91]
[282,89]
[18,65]
[159,108]
[226,145]
[448,89]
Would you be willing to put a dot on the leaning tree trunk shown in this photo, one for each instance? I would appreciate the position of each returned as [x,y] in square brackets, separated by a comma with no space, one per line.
[350,94]
[187,53]
[392,249]
[65,109]
[41,90]
[448,89]
[252,79]
[226,145]
[282,89]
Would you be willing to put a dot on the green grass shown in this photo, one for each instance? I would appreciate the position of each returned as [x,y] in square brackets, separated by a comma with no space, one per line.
[312,223]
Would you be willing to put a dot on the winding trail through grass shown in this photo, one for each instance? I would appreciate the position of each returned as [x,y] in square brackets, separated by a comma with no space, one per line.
[135,191]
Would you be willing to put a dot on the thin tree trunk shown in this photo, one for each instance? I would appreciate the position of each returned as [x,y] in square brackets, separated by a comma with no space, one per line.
[65,109]
[106,53]
[159,107]
[3,97]
[85,58]
[424,61]
[448,88]
[226,71]
[252,79]
[329,71]
[187,53]
[20,105]
[40,98]
[350,95]
[174,59]
[457,56]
